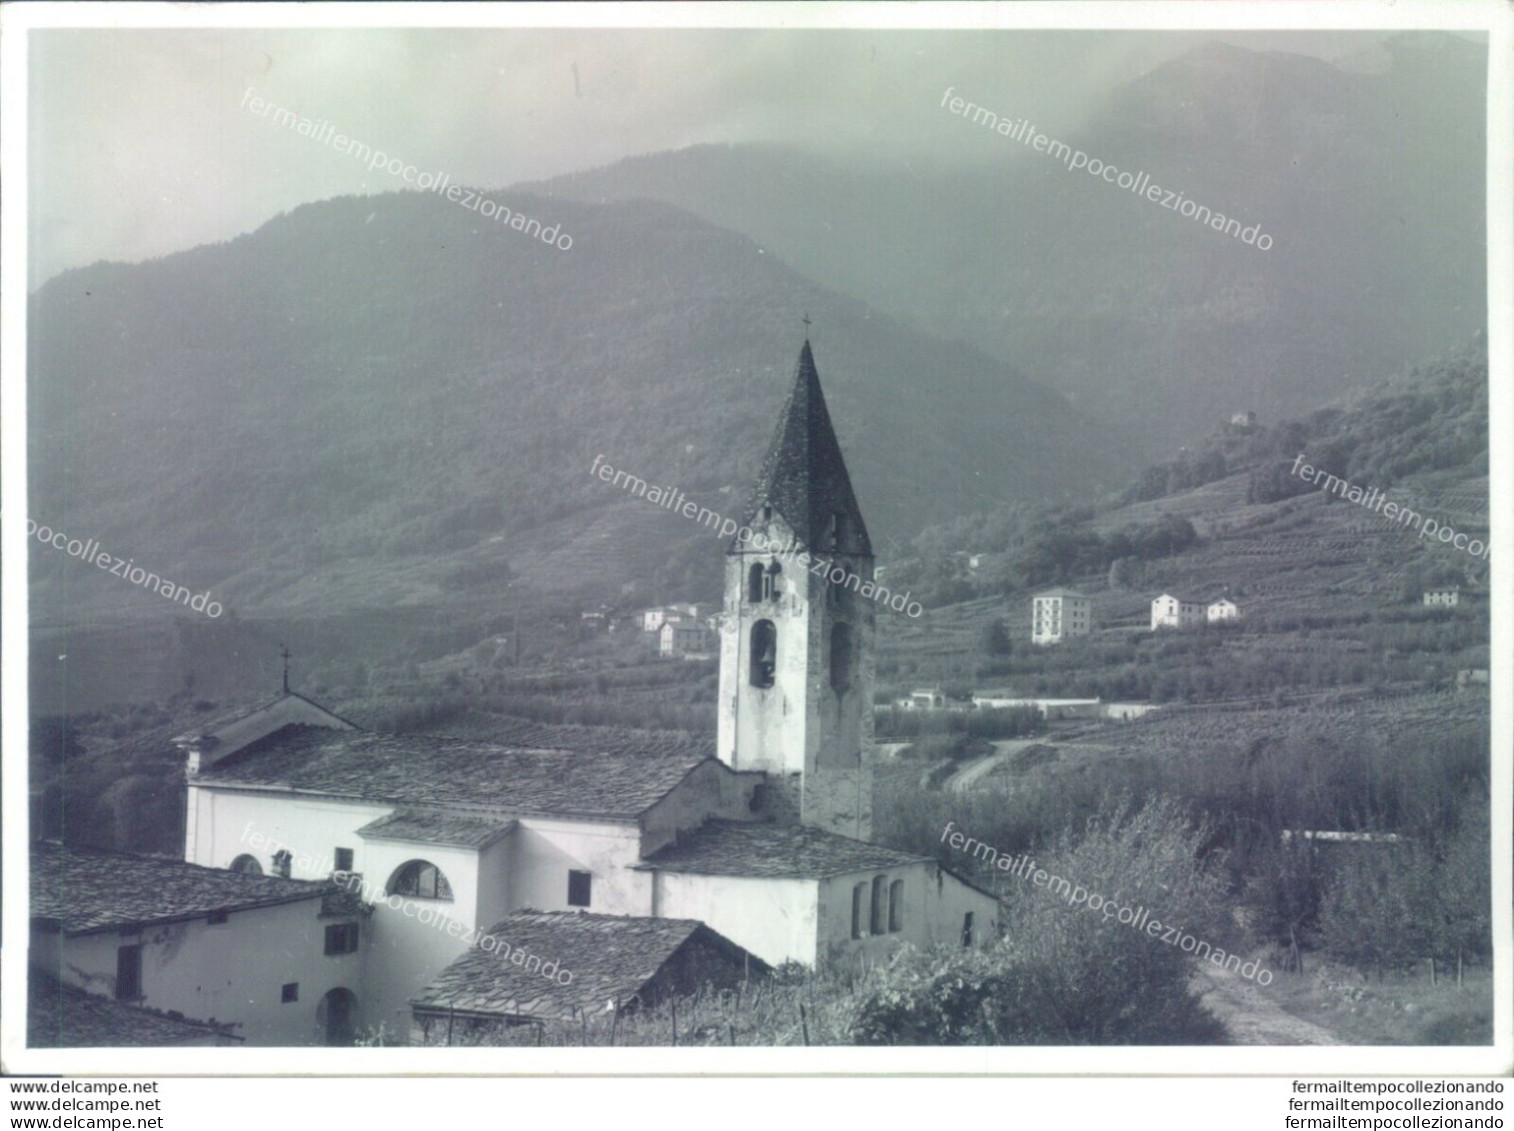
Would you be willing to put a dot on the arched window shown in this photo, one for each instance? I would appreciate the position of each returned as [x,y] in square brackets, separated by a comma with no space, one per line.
[420,879]
[764,658]
[967,929]
[837,525]
[770,582]
[880,905]
[895,906]
[247,865]
[859,896]
[841,658]
[755,579]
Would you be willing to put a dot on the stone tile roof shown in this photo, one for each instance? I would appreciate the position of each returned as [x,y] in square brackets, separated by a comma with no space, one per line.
[220,722]
[436,828]
[611,957]
[65,1017]
[85,890]
[763,851]
[804,476]
[423,769]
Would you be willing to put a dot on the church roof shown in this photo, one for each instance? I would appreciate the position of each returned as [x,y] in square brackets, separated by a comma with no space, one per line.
[214,727]
[804,476]
[427,770]
[436,828]
[85,890]
[763,851]
[610,958]
[59,1016]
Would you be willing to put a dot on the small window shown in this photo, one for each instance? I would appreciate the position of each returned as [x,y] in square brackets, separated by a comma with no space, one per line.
[421,879]
[837,525]
[343,859]
[770,582]
[341,938]
[282,859]
[754,582]
[895,906]
[841,658]
[880,905]
[579,888]
[128,972]
[247,865]
[967,929]
[859,897]
[216,918]
[764,657]
[290,991]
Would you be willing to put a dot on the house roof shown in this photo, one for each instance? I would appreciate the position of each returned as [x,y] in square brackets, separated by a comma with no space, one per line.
[804,476]
[1063,592]
[436,828]
[60,1016]
[424,770]
[85,890]
[610,958]
[763,851]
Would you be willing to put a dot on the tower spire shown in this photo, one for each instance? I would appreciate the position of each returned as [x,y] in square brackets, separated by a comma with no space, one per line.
[804,476]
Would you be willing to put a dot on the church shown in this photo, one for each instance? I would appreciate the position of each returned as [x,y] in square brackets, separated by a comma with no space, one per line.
[691,867]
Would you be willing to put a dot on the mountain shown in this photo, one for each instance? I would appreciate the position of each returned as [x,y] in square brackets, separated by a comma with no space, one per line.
[393,401]
[1368,177]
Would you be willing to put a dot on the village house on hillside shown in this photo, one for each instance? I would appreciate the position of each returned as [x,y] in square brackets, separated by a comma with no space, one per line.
[685,639]
[1446,597]
[1059,613]
[1168,611]
[1223,609]
[760,850]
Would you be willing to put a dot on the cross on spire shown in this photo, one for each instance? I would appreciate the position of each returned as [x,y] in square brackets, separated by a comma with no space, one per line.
[284,655]
[806,321]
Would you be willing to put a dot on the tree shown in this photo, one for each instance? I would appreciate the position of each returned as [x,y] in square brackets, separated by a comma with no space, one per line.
[996,639]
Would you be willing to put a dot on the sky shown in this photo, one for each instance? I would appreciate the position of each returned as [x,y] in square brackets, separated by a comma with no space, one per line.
[140,143]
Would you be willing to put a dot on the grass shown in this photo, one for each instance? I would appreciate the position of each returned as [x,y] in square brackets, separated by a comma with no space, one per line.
[1400,1009]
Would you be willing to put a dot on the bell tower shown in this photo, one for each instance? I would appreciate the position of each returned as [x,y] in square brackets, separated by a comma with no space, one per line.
[796,639]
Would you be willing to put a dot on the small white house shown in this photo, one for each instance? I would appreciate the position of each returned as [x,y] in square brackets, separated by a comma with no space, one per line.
[1223,609]
[1447,598]
[1059,613]
[685,638]
[1168,611]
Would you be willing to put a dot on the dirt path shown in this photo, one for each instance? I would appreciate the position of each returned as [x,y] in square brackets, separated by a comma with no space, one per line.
[1248,1013]
[966,778]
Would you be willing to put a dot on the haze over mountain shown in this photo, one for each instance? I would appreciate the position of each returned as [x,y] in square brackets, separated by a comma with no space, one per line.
[1367,175]
[392,400]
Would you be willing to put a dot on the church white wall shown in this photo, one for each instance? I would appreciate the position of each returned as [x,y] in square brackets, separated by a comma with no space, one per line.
[223,823]
[934,905]
[229,972]
[775,919]
[710,790]
[547,849]
[414,938]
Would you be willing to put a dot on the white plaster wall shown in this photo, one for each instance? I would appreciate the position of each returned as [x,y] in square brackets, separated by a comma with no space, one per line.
[230,972]
[710,790]
[223,823]
[934,905]
[545,850]
[774,919]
